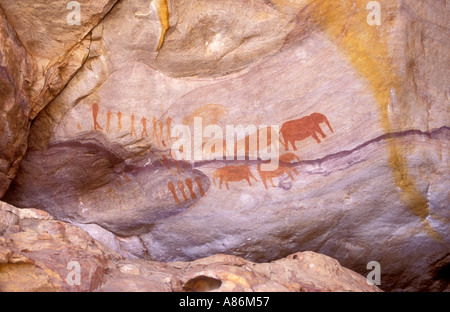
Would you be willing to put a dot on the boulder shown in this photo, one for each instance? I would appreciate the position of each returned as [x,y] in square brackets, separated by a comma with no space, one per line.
[37,253]
[40,52]
[299,272]
[16,70]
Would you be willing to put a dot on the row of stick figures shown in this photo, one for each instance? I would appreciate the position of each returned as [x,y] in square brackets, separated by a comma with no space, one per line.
[190,186]
[180,183]
[159,135]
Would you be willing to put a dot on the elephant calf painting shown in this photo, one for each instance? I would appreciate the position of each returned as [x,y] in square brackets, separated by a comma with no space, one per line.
[300,129]
[233,174]
[269,175]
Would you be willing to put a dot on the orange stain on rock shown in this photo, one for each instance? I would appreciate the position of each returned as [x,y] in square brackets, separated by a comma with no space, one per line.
[163,14]
[366,48]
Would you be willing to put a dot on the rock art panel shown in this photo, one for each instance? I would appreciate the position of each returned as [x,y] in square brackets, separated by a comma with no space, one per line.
[269,175]
[363,121]
[112,179]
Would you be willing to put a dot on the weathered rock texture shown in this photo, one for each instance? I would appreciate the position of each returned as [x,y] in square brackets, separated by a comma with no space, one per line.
[372,184]
[39,53]
[15,78]
[300,272]
[36,252]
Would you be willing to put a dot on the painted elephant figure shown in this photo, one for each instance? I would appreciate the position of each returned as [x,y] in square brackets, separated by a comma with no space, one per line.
[288,158]
[233,174]
[269,175]
[300,129]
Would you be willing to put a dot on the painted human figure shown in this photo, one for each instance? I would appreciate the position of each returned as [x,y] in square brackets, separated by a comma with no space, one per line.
[95,110]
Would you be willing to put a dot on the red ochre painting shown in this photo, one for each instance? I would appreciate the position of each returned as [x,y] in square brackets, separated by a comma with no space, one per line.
[139,127]
[303,128]
[185,188]
[233,174]
[290,133]
[182,188]
[238,173]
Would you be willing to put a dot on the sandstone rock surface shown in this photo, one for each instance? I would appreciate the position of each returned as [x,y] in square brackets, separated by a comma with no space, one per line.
[36,252]
[300,272]
[372,181]
[39,53]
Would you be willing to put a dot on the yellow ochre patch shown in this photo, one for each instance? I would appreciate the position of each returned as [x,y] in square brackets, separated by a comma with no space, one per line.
[366,48]
[163,14]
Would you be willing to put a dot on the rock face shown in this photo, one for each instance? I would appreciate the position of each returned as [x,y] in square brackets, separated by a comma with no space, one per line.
[362,111]
[39,53]
[15,75]
[37,253]
[300,272]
